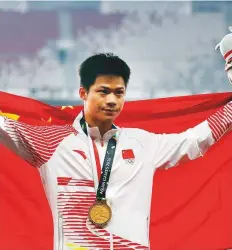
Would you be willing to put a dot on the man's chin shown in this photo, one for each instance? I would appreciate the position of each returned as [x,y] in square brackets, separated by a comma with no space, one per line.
[109,116]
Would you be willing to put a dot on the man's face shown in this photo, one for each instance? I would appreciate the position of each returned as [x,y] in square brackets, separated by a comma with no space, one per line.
[105,98]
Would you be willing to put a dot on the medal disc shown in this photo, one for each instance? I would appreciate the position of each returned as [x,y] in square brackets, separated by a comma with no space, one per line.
[100,213]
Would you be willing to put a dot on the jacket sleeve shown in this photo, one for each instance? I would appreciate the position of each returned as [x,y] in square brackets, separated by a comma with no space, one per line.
[171,149]
[35,144]
[12,138]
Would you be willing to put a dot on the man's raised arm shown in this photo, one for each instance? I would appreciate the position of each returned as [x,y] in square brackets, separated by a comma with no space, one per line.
[172,149]
[32,142]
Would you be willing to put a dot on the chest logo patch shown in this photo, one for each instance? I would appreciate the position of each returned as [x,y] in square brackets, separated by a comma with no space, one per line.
[128,156]
[82,153]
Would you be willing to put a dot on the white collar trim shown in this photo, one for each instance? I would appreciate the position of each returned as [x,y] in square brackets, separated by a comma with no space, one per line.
[94,131]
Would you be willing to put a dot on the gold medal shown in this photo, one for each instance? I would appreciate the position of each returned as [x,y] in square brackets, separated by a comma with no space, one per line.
[100,213]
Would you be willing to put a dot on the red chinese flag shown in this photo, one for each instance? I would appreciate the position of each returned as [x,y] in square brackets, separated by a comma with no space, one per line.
[191,204]
[128,154]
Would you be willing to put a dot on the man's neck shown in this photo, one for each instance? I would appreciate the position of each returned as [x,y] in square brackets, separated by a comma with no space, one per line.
[102,126]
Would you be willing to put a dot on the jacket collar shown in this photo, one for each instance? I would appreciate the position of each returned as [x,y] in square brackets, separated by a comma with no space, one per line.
[94,131]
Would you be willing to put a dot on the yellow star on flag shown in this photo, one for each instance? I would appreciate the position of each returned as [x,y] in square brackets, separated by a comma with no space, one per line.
[9,115]
[65,107]
[48,121]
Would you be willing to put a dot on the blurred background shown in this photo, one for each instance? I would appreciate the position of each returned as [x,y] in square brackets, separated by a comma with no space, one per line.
[168,45]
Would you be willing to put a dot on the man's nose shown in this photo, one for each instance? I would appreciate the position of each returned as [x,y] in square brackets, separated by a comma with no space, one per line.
[111,100]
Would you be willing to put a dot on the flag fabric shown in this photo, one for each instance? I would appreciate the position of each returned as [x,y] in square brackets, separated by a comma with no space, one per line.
[191,205]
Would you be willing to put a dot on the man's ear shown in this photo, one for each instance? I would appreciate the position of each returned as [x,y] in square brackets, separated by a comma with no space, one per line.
[83,93]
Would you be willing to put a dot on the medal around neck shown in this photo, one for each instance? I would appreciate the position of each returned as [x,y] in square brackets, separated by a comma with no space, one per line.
[100,213]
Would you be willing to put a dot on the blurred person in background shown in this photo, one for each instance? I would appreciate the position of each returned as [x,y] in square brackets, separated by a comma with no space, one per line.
[107,168]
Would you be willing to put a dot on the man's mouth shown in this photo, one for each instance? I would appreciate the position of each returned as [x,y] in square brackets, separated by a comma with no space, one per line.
[110,110]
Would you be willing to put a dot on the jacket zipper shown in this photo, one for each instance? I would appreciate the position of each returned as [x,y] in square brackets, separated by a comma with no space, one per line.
[102,142]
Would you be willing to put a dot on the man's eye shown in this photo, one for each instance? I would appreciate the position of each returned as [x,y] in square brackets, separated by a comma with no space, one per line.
[103,91]
[120,93]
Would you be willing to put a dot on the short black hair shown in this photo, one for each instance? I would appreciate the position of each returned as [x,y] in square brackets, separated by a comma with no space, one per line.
[102,64]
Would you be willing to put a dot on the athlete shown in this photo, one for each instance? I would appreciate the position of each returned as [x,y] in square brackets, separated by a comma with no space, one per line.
[98,176]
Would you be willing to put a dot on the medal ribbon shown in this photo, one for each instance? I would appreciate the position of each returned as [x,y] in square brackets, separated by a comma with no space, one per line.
[107,164]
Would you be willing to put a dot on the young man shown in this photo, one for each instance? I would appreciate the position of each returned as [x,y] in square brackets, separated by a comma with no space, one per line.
[97,176]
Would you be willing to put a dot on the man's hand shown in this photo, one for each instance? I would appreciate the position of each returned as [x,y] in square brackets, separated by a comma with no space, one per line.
[228,69]
[229,74]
